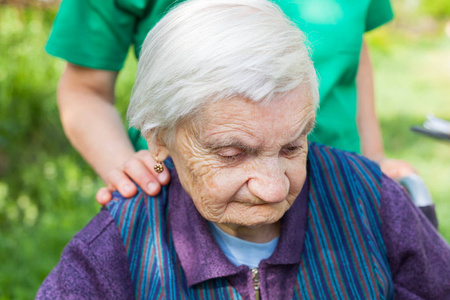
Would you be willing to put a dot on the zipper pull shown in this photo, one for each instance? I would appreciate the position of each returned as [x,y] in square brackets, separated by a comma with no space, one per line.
[255,280]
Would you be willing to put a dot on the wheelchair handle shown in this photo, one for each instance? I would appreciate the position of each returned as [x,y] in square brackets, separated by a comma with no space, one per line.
[420,195]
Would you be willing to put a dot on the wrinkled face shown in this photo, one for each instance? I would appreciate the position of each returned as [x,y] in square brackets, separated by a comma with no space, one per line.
[246,162]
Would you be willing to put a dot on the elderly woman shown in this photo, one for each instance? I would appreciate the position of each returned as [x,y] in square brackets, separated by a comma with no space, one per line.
[227,90]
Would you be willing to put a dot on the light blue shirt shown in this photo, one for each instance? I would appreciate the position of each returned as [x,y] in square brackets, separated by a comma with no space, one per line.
[241,252]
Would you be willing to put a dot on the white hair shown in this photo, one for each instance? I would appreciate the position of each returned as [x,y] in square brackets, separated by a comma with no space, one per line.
[209,50]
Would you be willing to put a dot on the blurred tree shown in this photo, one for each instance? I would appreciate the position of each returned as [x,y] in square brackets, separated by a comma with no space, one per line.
[27,3]
[436,8]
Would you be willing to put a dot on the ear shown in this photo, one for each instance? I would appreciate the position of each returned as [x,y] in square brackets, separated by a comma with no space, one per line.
[157,145]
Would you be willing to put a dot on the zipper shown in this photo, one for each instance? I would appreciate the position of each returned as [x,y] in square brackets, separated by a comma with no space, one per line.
[255,281]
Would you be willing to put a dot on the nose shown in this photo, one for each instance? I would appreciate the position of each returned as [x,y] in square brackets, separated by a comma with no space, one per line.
[268,181]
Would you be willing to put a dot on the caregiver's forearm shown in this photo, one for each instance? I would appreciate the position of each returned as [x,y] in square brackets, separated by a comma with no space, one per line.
[90,120]
[94,127]
[368,125]
[367,120]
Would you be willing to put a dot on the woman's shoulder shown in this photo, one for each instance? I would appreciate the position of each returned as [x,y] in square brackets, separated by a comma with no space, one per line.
[418,256]
[128,211]
[92,265]
[331,159]
[101,227]
[120,204]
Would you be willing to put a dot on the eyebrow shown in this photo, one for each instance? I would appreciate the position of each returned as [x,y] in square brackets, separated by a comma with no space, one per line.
[309,126]
[306,130]
[230,142]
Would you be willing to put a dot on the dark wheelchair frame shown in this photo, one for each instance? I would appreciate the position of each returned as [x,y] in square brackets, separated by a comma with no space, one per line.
[420,196]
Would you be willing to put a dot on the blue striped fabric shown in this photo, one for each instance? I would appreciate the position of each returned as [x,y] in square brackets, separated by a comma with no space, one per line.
[344,256]
[155,270]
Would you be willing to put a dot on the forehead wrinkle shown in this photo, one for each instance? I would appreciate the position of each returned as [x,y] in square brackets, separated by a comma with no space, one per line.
[231,138]
[309,126]
[301,127]
[310,123]
[230,124]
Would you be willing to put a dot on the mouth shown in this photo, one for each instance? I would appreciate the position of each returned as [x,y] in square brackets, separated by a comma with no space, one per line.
[257,202]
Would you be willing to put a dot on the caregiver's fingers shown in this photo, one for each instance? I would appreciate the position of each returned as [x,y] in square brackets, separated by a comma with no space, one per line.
[143,176]
[396,168]
[103,196]
[118,180]
[139,169]
[163,178]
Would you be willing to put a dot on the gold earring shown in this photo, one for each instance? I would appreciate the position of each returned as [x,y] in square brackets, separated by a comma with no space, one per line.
[158,167]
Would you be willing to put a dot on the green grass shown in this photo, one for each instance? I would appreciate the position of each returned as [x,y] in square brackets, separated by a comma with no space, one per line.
[412,79]
[47,190]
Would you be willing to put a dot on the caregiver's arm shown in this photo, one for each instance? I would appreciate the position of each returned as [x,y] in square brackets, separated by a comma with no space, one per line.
[418,256]
[93,126]
[367,121]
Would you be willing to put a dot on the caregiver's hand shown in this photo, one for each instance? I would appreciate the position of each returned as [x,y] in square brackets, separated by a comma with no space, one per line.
[139,168]
[396,168]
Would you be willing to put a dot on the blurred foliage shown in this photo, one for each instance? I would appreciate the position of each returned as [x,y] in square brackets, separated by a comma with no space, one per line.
[47,190]
[31,3]
[436,8]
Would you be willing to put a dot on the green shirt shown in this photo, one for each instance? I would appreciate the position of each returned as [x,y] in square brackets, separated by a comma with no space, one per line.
[98,34]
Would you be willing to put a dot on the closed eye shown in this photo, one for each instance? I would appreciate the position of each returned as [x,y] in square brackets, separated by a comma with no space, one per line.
[231,154]
[233,157]
[291,150]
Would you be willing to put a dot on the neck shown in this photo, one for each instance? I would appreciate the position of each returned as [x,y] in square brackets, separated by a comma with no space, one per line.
[257,234]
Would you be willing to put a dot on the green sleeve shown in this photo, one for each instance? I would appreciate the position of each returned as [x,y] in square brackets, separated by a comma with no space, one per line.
[93,33]
[378,13]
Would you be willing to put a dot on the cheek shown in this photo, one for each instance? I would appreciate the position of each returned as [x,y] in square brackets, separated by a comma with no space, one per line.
[191,165]
[216,189]
[210,186]
[296,174]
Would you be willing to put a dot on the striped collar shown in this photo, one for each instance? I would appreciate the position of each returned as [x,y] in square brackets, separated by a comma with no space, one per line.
[200,255]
